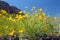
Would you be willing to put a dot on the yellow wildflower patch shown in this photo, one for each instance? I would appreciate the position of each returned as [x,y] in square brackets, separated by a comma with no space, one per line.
[20,12]
[10,18]
[3,11]
[42,14]
[11,33]
[21,30]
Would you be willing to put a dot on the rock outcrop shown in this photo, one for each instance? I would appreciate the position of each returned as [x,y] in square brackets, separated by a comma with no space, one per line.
[8,8]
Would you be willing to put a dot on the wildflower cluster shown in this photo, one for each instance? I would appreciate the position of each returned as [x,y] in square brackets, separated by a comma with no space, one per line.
[26,25]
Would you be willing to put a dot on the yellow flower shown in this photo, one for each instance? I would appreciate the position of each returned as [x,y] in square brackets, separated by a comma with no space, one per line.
[54,18]
[43,15]
[26,15]
[20,16]
[46,21]
[21,30]
[40,9]
[10,18]
[45,29]
[20,12]
[37,15]
[3,11]
[11,33]
[14,20]
[17,16]
[40,17]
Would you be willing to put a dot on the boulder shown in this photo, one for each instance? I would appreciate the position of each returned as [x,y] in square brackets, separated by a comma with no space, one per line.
[9,9]
[4,6]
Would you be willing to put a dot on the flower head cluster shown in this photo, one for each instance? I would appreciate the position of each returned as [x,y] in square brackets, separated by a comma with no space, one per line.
[26,24]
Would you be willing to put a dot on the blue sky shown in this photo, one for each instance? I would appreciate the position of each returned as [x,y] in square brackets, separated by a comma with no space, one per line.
[51,6]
